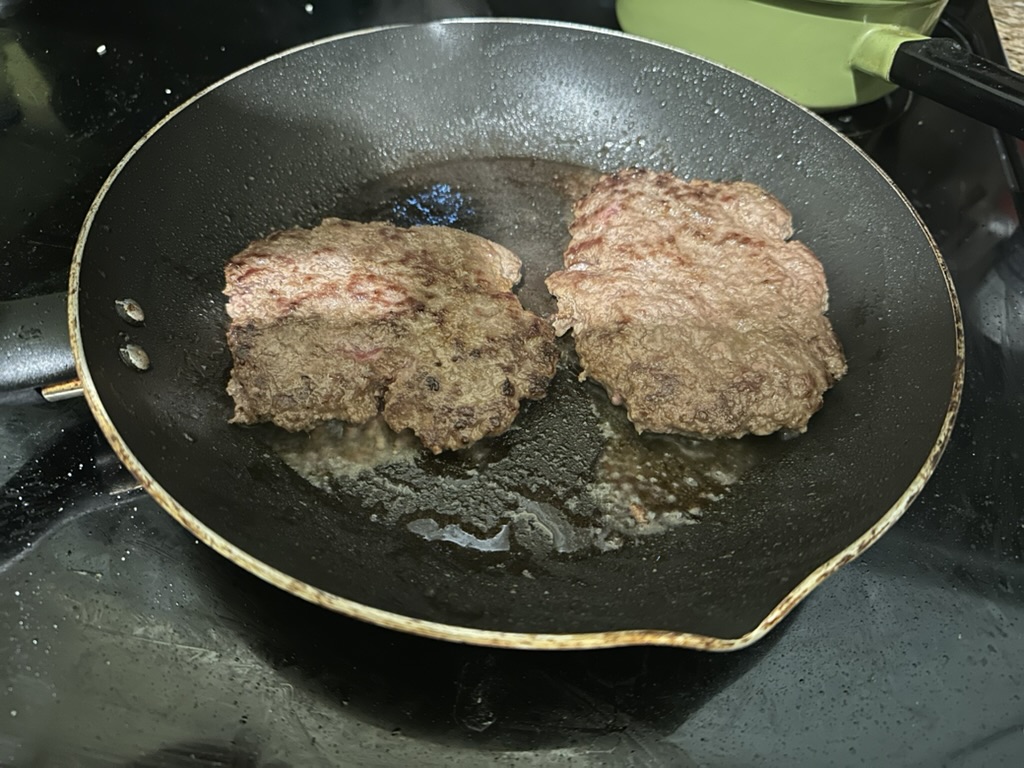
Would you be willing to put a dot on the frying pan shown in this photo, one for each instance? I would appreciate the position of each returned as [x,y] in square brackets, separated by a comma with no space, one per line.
[508,544]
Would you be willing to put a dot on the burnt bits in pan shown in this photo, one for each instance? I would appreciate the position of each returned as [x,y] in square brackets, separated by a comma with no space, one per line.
[571,476]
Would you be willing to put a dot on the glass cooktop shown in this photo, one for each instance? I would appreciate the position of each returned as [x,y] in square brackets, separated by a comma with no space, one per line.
[124,642]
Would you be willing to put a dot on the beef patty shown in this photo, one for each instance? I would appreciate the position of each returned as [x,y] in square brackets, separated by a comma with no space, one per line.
[348,320]
[691,306]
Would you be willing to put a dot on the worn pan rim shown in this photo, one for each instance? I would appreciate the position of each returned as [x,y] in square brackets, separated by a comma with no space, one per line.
[455,633]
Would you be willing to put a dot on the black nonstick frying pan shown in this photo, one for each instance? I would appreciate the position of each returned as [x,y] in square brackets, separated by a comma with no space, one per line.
[526,540]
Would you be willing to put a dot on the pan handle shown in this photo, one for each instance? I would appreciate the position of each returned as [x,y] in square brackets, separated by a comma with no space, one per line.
[945,72]
[35,351]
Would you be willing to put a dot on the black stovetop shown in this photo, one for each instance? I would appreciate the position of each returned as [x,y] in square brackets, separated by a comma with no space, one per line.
[124,642]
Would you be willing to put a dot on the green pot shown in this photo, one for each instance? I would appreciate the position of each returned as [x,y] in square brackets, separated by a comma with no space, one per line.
[824,54]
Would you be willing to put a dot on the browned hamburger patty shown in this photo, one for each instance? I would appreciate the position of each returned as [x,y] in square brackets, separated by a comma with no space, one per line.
[689,304]
[348,320]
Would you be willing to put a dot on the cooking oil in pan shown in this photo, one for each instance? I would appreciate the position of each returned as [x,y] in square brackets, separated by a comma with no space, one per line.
[572,474]
[335,451]
[648,484]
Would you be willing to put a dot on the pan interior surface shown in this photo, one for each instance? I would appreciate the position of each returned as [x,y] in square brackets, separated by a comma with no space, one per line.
[515,118]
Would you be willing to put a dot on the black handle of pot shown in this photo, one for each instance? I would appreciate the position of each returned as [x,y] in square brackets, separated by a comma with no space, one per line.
[35,350]
[944,71]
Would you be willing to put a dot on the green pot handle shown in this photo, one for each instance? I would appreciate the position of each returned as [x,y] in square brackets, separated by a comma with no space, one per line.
[944,71]
[877,48]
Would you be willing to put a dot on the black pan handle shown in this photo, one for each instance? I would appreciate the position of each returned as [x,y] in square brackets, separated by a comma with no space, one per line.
[944,71]
[35,351]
